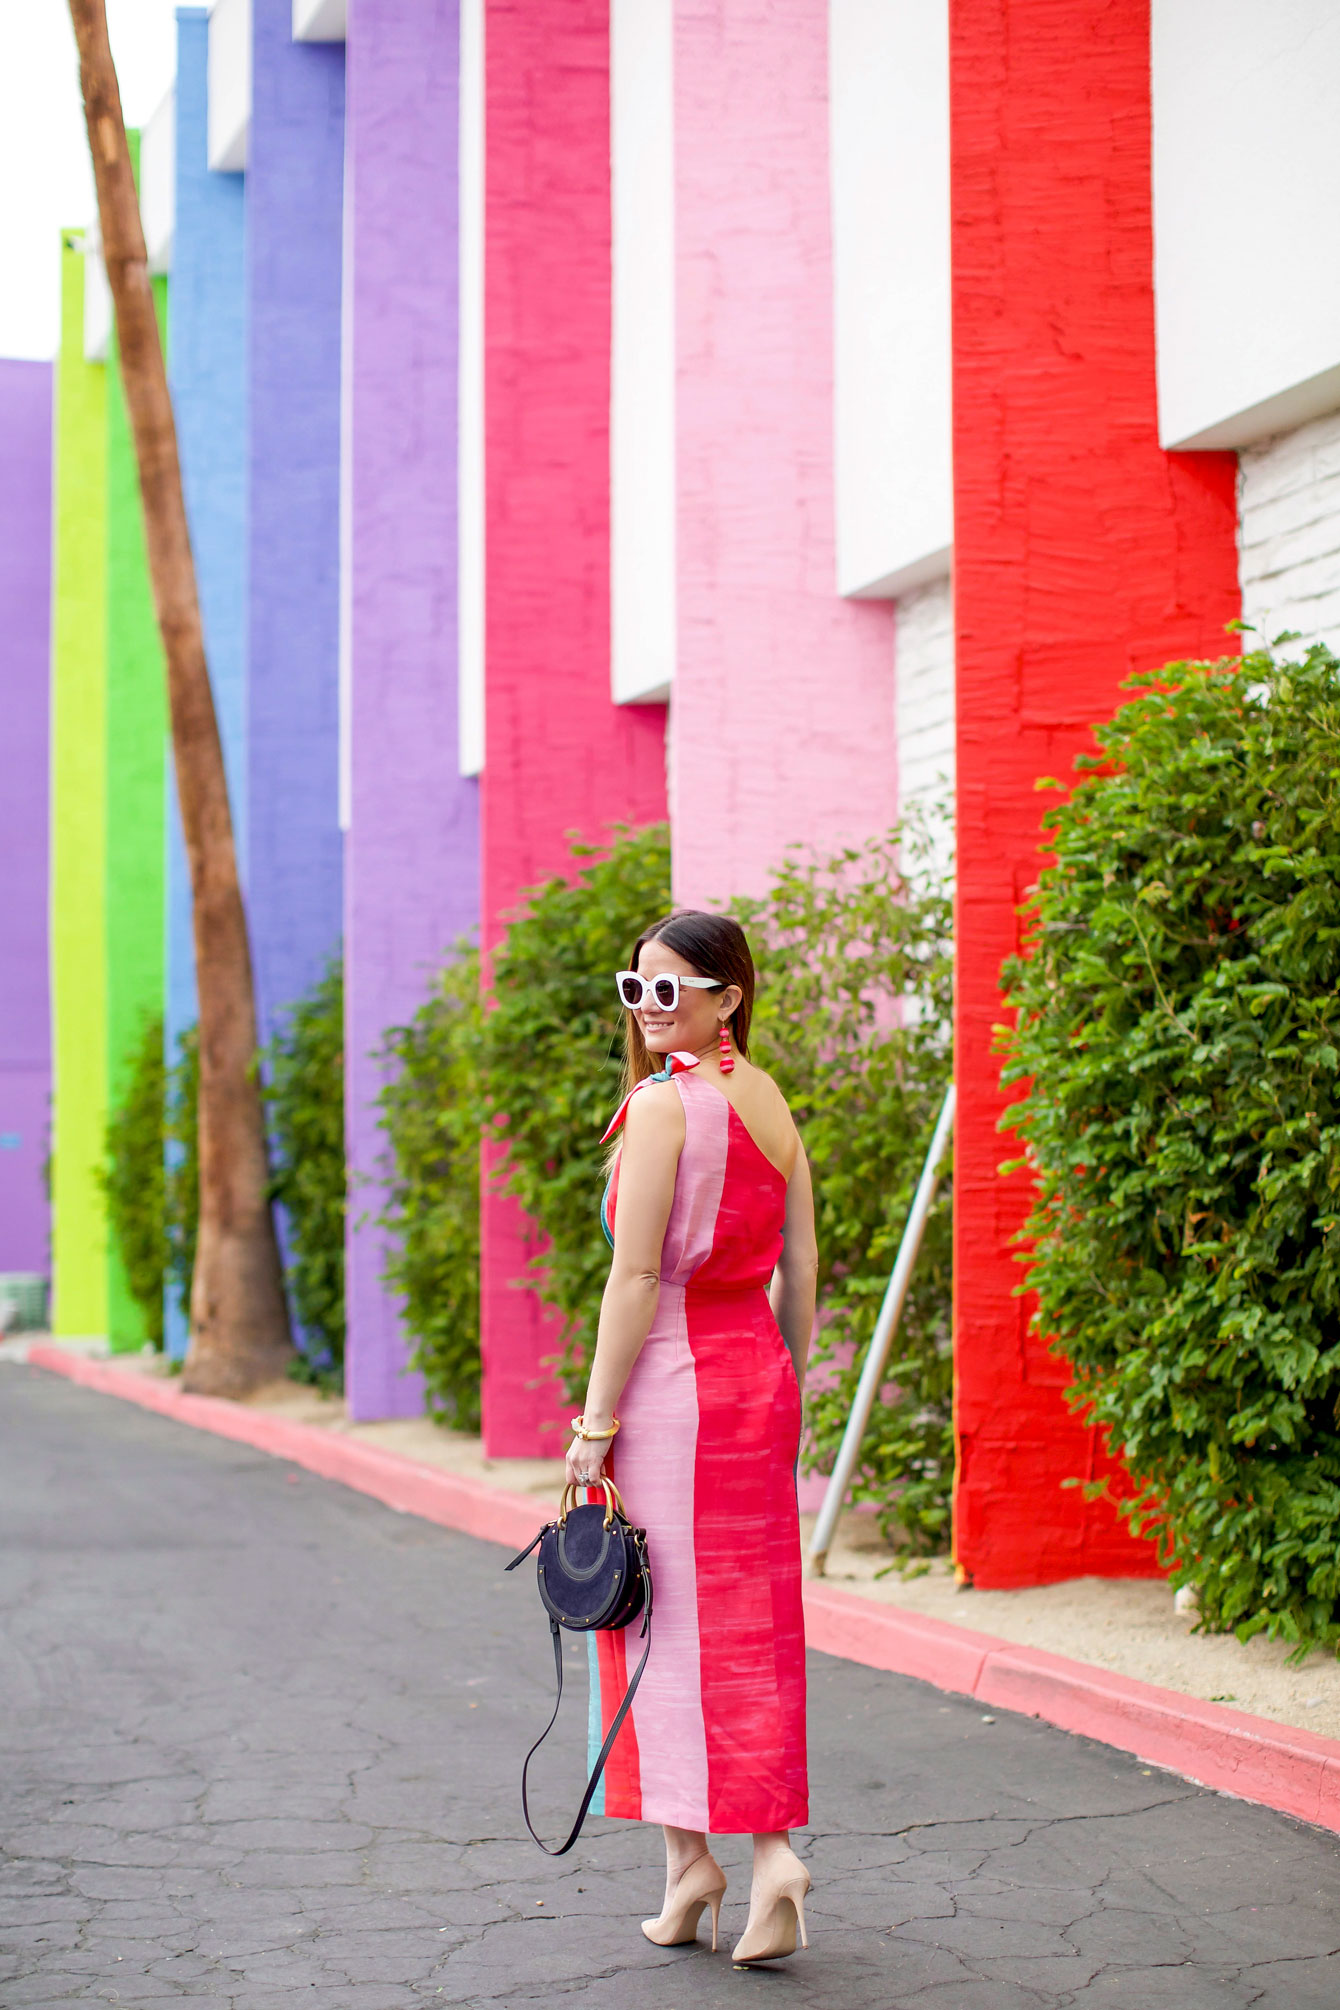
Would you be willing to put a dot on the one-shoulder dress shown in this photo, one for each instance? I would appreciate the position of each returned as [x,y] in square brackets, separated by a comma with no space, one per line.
[705,1462]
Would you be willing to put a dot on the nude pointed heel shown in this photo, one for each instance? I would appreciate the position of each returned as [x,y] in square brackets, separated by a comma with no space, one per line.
[700,1887]
[771,1935]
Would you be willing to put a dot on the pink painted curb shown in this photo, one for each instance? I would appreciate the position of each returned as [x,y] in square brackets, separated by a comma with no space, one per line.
[1275,1764]
[1229,1750]
[451,1500]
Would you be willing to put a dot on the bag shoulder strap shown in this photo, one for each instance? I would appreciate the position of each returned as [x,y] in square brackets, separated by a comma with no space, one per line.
[610,1735]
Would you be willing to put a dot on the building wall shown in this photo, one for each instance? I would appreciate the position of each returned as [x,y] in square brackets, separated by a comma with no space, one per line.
[782,716]
[136,791]
[207,371]
[1289,533]
[1246,187]
[411,848]
[889,149]
[923,709]
[25,623]
[294,200]
[78,822]
[1082,552]
[559,755]
[642,349]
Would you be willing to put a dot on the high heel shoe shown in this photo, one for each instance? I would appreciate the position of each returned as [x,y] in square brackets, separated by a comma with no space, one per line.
[701,1883]
[776,1914]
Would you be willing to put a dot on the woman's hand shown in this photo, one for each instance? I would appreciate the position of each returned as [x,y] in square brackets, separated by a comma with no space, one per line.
[586,1461]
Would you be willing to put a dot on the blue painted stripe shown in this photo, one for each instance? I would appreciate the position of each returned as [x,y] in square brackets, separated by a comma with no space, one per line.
[595,1736]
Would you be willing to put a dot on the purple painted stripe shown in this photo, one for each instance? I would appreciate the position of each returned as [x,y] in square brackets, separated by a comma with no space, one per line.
[412,845]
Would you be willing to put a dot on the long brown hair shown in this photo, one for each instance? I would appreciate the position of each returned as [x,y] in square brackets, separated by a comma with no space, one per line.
[718,948]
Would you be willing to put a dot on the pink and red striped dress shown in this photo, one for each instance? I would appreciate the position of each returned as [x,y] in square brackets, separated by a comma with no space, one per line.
[705,1462]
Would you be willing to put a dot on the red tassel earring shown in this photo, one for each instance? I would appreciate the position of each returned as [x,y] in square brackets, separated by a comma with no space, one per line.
[727,1058]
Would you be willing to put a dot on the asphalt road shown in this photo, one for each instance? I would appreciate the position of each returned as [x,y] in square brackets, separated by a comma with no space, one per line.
[260,1747]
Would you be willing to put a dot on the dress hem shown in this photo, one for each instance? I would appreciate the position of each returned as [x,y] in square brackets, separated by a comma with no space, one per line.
[697,1820]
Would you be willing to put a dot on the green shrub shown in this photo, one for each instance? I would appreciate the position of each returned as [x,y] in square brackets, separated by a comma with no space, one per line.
[432,1112]
[304,1095]
[134,1181]
[839,944]
[553,1061]
[853,1021]
[181,1160]
[1178,1043]
[152,1175]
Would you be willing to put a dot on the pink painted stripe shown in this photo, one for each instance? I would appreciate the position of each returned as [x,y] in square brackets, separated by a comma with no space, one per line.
[1273,1764]
[699,1183]
[655,1461]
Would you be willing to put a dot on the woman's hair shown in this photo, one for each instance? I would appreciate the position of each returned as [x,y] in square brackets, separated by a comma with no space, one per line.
[718,948]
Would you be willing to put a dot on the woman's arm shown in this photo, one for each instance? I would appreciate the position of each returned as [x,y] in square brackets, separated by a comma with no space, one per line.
[793,1281]
[653,1139]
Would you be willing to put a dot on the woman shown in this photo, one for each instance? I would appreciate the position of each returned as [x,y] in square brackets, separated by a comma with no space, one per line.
[704,1329]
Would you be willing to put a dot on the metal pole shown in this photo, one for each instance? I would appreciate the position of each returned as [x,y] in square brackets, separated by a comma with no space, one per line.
[886,1326]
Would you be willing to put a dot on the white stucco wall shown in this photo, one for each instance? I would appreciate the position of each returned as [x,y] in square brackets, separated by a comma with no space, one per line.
[319,20]
[642,361]
[229,83]
[470,397]
[158,182]
[1289,533]
[98,311]
[924,694]
[889,146]
[1246,103]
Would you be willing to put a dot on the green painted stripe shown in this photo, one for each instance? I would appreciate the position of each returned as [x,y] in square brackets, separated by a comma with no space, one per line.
[136,746]
[79,821]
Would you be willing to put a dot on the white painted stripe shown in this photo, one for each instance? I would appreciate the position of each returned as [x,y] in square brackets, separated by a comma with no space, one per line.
[470,579]
[889,151]
[642,386]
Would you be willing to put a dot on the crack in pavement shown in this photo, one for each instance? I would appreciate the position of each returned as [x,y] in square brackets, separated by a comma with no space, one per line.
[228,1778]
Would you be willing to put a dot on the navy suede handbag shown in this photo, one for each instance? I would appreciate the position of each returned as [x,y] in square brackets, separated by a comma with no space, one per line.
[594,1577]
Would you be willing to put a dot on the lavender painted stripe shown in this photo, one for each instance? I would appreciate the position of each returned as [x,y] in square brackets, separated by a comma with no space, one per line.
[411,849]
[294,183]
[25,623]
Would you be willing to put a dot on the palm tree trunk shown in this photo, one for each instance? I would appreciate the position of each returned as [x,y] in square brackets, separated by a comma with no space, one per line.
[239,1321]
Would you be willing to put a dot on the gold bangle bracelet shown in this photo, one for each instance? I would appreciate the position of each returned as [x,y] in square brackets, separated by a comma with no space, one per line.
[592,1437]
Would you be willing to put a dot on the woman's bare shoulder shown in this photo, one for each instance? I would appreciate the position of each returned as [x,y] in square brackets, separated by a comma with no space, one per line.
[656,1112]
[769,1090]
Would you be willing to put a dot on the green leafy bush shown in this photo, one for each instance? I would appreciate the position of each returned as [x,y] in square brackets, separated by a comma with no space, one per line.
[134,1179]
[553,1061]
[152,1174]
[838,943]
[853,1018]
[304,1094]
[181,1161]
[1178,1047]
[432,1112]
[853,1021]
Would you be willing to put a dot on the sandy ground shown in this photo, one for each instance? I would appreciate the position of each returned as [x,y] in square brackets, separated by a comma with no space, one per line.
[1127,1625]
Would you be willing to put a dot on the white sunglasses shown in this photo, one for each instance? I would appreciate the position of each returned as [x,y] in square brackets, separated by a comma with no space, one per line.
[636,992]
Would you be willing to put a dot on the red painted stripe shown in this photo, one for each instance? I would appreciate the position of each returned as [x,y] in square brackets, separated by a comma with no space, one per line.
[1082,552]
[746,1535]
[560,755]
